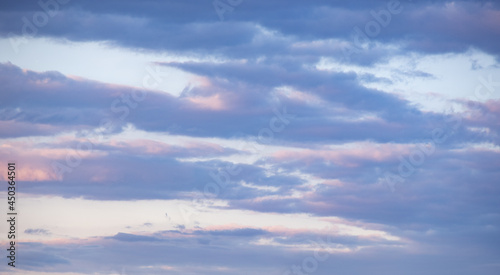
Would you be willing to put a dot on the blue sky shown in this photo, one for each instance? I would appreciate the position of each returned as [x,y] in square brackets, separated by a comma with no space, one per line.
[252,137]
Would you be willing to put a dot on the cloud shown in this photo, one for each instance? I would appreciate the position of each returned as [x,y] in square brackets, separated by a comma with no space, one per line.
[124,237]
[160,27]
[333,135]
[37,231]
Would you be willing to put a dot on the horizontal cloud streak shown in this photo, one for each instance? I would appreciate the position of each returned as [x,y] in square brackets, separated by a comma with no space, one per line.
[364,131]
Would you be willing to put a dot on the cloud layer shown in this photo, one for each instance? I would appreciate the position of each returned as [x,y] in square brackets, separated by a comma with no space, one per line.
[294,139]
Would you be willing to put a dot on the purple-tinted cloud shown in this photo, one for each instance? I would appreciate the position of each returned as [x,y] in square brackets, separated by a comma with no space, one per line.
[329,163]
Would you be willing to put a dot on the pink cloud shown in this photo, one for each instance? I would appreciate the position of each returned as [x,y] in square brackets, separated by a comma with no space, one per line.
[348,156]
[35,164]
[143,146]
[213,102]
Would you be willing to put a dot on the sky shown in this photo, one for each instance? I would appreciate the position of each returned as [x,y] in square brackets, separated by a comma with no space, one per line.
[251,137]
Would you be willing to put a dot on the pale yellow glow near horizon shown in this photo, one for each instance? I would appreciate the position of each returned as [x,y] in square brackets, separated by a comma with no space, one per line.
[77,218]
